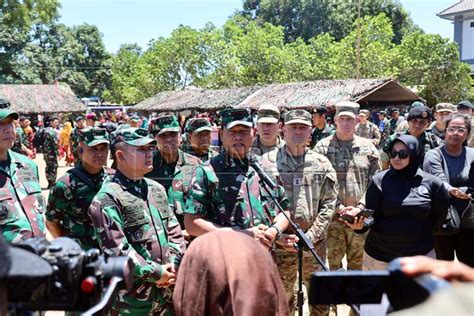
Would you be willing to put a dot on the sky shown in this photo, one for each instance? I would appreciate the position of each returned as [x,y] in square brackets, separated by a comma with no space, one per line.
[139,21]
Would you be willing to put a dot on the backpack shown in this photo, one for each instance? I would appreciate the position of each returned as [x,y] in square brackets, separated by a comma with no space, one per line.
[38,139]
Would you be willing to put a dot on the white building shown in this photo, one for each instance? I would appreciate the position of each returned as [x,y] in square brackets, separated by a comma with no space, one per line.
[462,15]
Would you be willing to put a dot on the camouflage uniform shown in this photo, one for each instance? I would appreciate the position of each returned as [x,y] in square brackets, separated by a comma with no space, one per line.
[71,196]
[20,141]
[227,192]
[355,162]
[369,131]
[75,136]
[259,149]
[133,218]
[50,154]
[471,141]
[22,205]
[310,184]
[319,134]
[197,125]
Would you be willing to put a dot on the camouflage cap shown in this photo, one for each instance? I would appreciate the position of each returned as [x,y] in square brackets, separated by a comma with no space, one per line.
[79,118]
[163,124]
[134,118]
[347,108]
[5,110]
[298,116]
[234,117]
[198,125]
[132,136]
[445,107]
[268,113]
[94,136]
[416,104]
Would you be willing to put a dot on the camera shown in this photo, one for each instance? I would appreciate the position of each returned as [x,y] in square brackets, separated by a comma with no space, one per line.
[368,287]
[77,280]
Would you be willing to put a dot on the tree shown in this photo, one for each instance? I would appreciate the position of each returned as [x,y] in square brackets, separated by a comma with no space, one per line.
[17,18]
[431,63]
[308,18]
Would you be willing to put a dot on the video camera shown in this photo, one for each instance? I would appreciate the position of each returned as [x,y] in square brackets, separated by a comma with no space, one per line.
[368,287]
[67,278]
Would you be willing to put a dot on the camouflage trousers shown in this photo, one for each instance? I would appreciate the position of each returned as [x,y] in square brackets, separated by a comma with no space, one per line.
[51,168]
[158,302]
[287,263]
[77,158]
[344,241]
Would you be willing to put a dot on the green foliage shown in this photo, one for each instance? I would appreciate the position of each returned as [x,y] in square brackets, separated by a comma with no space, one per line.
[432,63]
[308,18]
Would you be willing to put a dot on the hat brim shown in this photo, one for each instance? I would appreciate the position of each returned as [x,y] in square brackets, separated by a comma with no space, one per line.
[141,142]
[235,123]
[27,265]
[7,112]
[169,129]
[298,121]
[346,113]
[98,142]
[268,120]
[203,129]
[445,110]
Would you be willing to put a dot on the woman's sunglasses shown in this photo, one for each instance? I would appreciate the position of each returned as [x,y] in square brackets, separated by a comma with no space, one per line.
[403,154]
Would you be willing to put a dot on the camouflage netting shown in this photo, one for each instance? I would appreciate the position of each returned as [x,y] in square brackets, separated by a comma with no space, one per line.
[38,98]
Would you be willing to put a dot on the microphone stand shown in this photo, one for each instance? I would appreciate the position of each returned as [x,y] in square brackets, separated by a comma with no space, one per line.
[303,242]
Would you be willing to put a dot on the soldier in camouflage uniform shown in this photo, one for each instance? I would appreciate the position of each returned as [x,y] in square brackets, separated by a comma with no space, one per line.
[22,205]
[74,140]
[310,184]
[268,126]
[355,160]
[418,120]
[51,151]
[225,191]
[71,196]
[168,159]
[198,139]
[367,129]
[443,110]
[131,217]
[21,141]
[321,127]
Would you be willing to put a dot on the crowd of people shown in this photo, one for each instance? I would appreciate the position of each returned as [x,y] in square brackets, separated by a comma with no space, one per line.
[368,188]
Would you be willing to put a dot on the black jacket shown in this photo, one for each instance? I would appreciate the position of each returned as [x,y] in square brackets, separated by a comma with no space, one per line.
[406,208]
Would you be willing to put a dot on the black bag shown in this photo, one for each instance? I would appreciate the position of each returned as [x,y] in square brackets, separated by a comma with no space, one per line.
[451,224]
[38,139]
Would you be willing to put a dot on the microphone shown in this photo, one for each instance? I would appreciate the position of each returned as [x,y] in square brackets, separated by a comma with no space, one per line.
[255,164]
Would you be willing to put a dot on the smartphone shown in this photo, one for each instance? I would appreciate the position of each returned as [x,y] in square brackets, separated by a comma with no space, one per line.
[365,213]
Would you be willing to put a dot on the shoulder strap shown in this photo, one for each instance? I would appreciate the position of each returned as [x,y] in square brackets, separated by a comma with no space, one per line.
[81,175]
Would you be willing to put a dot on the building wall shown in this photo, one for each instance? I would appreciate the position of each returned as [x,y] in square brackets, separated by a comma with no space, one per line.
[467,50]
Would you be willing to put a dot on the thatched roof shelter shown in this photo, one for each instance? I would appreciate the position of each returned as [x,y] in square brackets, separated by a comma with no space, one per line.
[41,98]
[195,99]
[326,92]
[283,95]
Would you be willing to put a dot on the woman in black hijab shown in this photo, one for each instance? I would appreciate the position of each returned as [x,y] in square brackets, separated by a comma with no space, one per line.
[407,204]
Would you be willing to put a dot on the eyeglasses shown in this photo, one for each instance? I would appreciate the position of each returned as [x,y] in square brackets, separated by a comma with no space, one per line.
[403,154]
[452,130]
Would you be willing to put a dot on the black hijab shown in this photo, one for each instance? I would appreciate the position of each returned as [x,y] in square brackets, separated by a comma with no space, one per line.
[414,151]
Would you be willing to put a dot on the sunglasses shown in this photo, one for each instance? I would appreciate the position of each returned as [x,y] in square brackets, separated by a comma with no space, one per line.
[403,154]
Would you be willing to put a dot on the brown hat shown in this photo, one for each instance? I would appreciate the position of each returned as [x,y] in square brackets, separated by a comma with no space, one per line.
[445,107]
[268,113]
[365,112]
